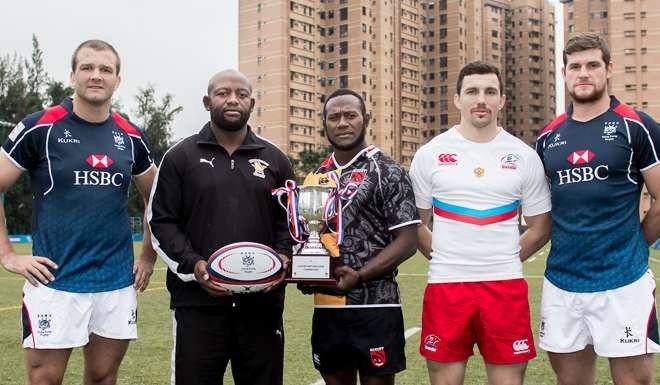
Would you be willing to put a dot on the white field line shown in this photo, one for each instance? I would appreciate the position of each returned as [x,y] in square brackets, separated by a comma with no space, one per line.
[408,333]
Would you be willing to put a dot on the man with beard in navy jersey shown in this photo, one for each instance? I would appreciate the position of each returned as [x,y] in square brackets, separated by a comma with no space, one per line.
[598,292]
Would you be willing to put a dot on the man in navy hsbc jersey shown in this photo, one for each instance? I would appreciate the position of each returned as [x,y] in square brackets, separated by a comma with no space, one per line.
[81,277]
[598,292]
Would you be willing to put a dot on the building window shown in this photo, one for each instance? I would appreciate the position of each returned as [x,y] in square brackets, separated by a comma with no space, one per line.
[343,30]
[343,14]
[343,47]
[343,64]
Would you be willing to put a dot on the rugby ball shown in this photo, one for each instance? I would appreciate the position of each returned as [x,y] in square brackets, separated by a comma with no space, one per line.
[244,267]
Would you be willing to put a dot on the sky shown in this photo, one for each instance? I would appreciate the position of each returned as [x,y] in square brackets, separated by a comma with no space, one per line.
[174,45]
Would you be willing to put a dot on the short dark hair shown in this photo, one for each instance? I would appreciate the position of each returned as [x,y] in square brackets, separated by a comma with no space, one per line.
[478,68]
[345,91]
[97,45]
[584,41]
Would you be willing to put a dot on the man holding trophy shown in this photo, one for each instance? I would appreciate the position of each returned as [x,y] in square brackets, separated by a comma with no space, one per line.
[370,224]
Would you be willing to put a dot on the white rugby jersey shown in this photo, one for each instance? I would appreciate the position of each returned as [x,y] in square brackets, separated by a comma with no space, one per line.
[476,190]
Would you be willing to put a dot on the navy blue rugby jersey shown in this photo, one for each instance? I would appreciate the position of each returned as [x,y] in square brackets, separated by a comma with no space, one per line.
[594,169]
[80,174]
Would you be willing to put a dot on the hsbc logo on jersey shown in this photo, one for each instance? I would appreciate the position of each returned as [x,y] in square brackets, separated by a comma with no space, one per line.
[99,161]
[448,159]
[581,157]
[97,177]
[585,173]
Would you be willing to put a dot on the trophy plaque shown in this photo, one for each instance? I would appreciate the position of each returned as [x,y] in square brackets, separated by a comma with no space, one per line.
[312,264]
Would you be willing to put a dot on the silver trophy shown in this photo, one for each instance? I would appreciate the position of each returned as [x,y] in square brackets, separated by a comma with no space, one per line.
[311,264]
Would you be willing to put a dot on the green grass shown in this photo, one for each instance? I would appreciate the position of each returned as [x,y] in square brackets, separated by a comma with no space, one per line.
[148,358]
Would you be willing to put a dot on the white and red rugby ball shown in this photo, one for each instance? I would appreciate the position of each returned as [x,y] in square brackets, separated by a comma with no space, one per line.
[244,267]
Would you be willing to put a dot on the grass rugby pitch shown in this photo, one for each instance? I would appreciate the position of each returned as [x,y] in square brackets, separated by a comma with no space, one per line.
[148,359]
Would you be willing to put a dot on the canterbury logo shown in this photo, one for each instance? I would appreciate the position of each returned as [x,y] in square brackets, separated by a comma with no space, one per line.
[210,162]
[521,346]
[447,158]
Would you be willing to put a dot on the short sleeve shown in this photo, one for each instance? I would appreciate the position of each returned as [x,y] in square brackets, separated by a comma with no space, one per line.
[540,147]
[25,144]
[421,180]
[399,200]
[141,154]
[646,143]
[536,192]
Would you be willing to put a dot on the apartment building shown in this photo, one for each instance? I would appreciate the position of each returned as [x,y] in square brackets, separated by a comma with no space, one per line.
[403,56]
[632,29]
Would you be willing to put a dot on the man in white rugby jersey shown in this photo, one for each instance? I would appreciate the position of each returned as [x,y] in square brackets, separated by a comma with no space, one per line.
[474,179]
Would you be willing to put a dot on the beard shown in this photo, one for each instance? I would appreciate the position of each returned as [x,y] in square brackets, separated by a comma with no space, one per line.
[590,98]
[218,118]
[94,100]
[347,147]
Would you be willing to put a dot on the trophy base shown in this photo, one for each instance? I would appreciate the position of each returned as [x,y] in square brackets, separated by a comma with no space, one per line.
[312,269]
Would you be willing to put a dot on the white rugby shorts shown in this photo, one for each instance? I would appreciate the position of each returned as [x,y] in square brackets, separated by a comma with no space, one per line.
[620,322]
[55,319]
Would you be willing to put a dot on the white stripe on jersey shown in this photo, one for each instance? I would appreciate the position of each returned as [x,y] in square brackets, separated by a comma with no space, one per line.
[415,222]
[648,135]
[50,171]
[632,151]
[27,132]
[13,160]
[268,141]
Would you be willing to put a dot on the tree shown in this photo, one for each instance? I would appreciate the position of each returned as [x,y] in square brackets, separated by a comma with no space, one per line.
[156,119]
[19,96]
[56,91]
[36,74]
[12,89]
[308,161]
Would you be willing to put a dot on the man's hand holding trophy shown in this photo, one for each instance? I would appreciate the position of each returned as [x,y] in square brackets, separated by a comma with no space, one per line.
[312,208]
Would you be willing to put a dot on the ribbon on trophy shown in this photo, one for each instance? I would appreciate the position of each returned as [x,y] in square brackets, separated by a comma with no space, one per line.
[334,204]
[292,212]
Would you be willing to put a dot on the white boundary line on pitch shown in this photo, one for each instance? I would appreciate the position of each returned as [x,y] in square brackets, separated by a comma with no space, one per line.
[407,334]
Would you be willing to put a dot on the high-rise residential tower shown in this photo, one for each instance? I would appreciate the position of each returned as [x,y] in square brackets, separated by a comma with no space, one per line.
[402,55]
